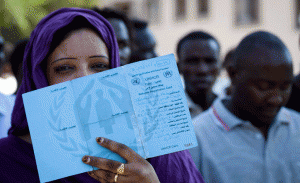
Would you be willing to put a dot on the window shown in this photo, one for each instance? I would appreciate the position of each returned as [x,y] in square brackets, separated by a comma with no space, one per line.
[202,8]
[246,12]
[153,11]
[180,9]
[297,14]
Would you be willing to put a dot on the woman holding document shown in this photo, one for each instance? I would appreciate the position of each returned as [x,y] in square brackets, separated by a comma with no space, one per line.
[67,44]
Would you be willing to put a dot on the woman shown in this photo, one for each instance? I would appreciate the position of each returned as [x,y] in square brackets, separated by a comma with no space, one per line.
[67,44]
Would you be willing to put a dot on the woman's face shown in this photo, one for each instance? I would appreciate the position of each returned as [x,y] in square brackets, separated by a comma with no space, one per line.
[82,53]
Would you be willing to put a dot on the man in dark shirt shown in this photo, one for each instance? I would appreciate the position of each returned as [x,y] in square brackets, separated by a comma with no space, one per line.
[199,63]
[123,30]
[144,42]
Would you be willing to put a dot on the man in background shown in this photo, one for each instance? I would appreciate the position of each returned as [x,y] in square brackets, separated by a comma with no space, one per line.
[123,30]
[6,102]
[144,42]
[227,63]
[199,62]
[16,61]
[294,101]
[250,136]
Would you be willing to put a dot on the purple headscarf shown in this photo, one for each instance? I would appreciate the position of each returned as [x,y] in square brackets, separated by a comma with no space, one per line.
[38,47]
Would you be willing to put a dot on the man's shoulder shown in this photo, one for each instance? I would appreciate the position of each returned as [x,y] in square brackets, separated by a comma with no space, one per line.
[295,115]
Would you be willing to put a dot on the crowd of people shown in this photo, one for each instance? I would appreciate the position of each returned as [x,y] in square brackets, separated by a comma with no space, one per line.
[250,134]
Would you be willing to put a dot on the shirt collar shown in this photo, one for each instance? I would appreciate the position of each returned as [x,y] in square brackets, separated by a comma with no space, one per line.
[283,116]
[227,120]
[224,117]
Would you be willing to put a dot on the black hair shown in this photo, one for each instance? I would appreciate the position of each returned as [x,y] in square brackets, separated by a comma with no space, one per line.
[229,57]
[139,24]
[195,35]
[16,57]
[111,14]
[256,40]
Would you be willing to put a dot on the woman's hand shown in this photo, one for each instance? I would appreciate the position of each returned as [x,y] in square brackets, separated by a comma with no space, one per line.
[137,169]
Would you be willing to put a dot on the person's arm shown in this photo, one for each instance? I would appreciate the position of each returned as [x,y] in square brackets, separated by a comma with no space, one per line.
[137,169]
[176,167]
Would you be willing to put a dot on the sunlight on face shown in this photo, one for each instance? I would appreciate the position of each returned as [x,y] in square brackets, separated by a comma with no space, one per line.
[82,53]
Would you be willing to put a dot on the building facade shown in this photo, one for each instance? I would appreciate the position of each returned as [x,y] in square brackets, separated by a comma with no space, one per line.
[228,20]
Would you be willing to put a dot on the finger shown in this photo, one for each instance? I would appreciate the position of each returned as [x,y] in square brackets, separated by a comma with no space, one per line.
[92,174]
[108,176]
[119,148]
[104,164]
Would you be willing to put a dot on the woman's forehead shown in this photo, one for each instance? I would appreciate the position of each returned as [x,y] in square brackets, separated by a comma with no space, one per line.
[83,42]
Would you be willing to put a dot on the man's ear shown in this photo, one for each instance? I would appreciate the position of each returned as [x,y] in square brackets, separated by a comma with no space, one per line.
[179,67]
[233,74]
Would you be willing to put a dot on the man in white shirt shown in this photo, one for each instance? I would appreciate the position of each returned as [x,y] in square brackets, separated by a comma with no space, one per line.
[250,136]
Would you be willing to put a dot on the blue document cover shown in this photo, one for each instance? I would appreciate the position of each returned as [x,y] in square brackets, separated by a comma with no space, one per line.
[141,105]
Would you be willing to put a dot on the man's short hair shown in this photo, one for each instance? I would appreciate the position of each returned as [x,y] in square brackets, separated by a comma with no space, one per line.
[195,35]
[112,14]
[139,24]
[228,58]
[256,40]
[16,57]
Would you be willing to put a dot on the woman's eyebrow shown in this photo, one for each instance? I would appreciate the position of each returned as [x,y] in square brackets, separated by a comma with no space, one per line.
[65,58]
[97,56]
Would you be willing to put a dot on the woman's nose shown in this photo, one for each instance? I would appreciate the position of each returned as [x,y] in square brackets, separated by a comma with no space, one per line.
[83,70]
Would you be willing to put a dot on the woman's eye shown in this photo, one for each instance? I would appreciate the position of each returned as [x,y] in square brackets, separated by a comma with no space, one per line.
[100,66]
[63,68]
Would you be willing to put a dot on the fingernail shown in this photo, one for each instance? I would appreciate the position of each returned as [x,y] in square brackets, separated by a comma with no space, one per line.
[86,159]
[99,139]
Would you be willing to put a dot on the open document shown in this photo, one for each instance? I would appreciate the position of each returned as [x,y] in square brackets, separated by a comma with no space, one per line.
[141,105]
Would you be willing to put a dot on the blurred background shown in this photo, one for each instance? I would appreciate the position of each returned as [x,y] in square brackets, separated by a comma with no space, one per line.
[228,20]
